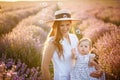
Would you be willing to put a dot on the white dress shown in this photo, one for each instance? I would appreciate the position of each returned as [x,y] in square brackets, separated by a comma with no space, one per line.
[63,66]
[81,70]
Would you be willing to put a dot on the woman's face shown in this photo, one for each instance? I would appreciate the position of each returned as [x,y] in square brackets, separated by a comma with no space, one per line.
[84,47]
[65,27]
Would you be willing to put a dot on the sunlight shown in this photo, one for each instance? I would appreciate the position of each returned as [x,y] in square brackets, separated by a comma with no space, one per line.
[9,0]
[28,0]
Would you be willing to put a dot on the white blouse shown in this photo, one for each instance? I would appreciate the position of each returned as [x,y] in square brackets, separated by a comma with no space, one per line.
[63,66]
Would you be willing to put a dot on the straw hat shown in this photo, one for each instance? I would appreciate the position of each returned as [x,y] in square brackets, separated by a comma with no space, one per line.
[62,15]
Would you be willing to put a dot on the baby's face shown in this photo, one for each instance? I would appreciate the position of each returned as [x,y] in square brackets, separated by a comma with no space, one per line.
[84,47]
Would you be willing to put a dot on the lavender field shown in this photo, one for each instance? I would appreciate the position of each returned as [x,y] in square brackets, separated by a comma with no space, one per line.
[23,31]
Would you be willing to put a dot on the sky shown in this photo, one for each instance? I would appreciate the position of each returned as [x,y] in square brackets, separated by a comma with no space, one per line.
[28,0]
[17,0]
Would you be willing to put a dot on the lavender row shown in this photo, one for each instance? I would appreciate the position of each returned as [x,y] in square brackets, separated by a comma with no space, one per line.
[11,70]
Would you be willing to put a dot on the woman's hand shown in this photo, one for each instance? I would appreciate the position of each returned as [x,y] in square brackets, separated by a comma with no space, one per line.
[91,63]
[73,53]
[96,74]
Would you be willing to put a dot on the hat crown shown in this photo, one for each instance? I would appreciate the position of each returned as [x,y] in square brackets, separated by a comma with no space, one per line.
[62,11]
[62,14]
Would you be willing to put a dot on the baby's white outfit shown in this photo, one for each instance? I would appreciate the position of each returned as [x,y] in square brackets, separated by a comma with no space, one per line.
[81,70]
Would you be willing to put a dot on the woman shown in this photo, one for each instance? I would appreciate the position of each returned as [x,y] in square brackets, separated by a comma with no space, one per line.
[58,47]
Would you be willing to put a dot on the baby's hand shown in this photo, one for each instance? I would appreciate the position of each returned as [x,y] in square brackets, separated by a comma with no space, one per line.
[91,63]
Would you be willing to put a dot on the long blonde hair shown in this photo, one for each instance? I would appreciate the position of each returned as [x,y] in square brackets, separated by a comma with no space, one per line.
[55,31]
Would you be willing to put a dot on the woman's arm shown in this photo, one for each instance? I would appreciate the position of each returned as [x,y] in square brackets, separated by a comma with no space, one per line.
[98,71]
[46,58]
[97,67]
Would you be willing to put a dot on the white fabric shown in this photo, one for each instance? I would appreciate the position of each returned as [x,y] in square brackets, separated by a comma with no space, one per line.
[63,66]
[82,71]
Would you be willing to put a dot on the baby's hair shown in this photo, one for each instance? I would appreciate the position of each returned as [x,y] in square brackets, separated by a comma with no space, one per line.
[85,39]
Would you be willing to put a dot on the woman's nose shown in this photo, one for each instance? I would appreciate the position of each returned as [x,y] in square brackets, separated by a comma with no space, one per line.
[66,27]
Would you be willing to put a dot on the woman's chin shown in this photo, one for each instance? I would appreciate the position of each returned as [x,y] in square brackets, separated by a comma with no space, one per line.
[65,33]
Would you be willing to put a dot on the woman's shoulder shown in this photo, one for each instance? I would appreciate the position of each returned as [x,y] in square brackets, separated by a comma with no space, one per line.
[73,35]
[49,42]
[50,39]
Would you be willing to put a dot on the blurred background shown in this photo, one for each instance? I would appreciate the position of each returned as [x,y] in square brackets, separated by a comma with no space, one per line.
[23,31]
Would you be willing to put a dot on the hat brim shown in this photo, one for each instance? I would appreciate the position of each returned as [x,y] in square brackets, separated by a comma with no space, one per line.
[74,21]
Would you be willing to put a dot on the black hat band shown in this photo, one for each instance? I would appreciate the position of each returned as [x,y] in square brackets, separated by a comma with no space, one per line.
[63,15]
